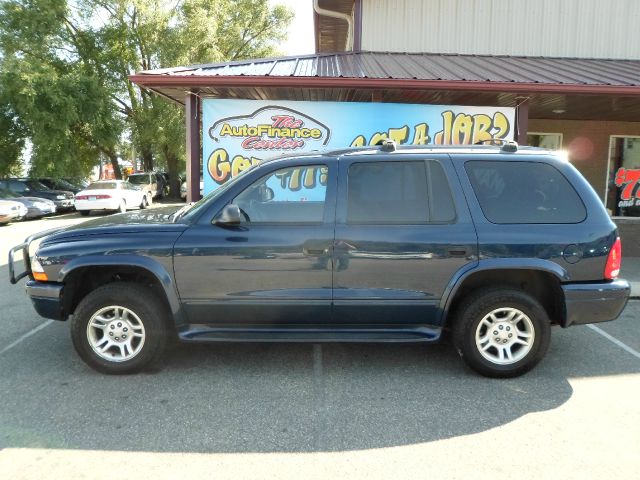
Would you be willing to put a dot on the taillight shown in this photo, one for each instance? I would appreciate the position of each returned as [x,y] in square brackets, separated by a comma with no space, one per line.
[102,197]
[614,260]
[81,197]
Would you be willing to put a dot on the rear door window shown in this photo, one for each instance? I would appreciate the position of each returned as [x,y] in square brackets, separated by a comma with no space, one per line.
[524,192]
[394,192]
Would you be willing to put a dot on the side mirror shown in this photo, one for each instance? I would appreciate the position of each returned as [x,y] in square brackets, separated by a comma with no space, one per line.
[230,215]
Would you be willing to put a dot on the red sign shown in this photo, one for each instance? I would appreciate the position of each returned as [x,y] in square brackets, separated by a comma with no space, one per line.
[628,178]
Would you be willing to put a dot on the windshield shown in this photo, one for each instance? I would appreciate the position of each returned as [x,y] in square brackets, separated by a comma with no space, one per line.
[102,186]
[191,211]
[35,185]
[138,179]
[64,185]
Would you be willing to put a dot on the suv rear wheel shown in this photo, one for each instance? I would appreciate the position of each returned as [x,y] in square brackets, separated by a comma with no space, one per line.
[120,328]
[501,332]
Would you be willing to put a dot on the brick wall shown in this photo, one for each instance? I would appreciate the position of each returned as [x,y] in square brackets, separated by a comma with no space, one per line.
[587,143]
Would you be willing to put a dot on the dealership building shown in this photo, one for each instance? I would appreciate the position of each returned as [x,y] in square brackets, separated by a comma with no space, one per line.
[566,75]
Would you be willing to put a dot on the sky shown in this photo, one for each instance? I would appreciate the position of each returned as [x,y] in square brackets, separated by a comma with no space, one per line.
[300,36]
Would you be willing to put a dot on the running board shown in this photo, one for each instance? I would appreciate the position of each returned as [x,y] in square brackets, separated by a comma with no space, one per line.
[206,333]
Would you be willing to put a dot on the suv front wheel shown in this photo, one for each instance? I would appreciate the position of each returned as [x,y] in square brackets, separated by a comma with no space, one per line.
[120,328]
[501,332]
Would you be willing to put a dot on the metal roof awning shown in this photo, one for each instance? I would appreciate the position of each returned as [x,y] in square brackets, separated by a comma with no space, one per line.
[552,84]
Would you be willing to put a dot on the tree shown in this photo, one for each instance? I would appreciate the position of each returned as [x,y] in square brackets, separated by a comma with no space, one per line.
[12,139]
[67,66]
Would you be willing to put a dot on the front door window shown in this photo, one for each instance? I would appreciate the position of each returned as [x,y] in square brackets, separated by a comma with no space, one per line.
[289,195]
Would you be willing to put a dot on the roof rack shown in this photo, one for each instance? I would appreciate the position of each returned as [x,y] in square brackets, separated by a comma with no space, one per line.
[506,145]
[387,145]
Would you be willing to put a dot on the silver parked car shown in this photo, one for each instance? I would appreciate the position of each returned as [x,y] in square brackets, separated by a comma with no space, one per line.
[36,207]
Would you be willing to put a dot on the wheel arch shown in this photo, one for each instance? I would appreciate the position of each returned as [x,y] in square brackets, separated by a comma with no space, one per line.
[84,274]
[538,277]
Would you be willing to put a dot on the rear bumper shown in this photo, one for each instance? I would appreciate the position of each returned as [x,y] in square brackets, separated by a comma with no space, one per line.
[594,302]
[67,203]
[110,204]
[46,298]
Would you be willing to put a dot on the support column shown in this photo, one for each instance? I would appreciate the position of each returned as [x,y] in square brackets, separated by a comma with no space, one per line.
[522,120]
[192,116]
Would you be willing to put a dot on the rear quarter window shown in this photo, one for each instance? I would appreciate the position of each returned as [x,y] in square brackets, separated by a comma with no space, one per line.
[524,192]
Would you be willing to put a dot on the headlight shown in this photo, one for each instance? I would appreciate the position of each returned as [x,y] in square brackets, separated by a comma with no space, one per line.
[60,197]
[37,270]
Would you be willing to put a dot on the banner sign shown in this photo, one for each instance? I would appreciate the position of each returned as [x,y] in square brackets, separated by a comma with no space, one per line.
[239,133]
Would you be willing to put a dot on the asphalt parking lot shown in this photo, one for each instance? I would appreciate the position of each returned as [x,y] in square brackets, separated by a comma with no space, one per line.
[312,411]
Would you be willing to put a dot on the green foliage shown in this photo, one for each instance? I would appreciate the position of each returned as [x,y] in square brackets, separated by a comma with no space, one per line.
[12,139]
[65,68]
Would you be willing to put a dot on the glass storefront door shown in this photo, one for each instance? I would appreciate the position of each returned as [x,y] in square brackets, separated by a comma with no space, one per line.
[623,188]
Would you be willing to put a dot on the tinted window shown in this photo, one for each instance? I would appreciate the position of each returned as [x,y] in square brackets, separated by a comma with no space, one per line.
[139,179]
[524,192]
[288,195]
[398,193]
[18,187]
[35,185]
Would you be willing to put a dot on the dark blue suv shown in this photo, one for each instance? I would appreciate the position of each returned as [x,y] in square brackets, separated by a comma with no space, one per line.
[377,244]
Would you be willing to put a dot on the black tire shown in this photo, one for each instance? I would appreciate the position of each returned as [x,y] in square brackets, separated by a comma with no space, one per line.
[150,312]
[501,302]
[85,213]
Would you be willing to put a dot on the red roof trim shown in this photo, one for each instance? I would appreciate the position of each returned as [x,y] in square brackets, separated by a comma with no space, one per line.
[194,81]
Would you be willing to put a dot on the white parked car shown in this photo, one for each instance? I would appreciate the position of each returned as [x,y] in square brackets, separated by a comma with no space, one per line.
[110,195]
[11,211]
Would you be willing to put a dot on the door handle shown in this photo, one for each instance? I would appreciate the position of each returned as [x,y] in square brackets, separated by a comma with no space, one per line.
[458,251]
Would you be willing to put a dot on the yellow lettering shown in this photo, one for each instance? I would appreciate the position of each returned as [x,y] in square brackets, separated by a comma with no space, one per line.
[294,181]
[421,134]
[444,137]
[378,137]
[501,122]
[226,130]
[481,128]
[239,164]
[399,135]
[309,178]
[359,141]
[462,129]
[218,166]
[324,174]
